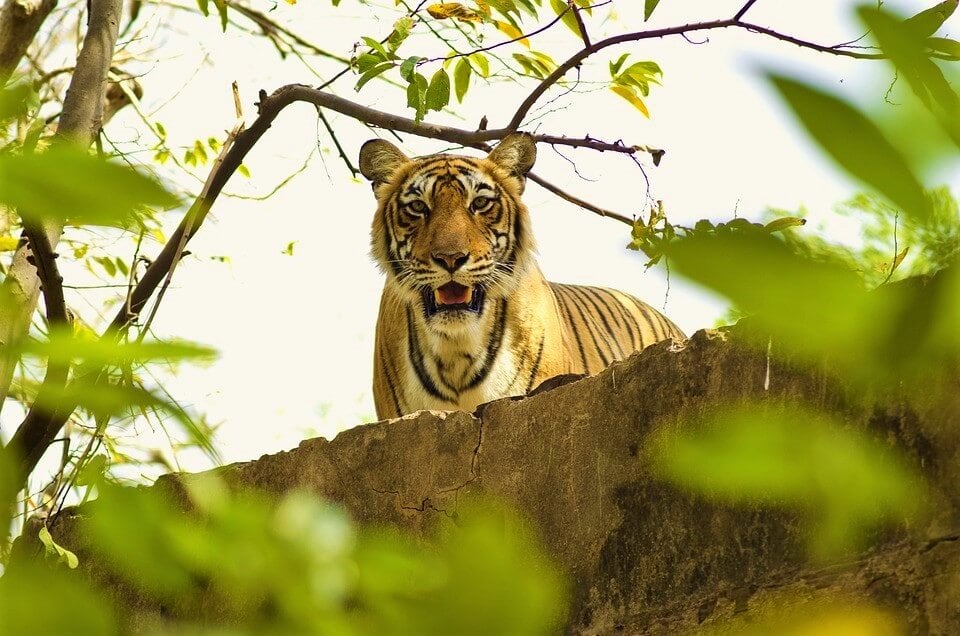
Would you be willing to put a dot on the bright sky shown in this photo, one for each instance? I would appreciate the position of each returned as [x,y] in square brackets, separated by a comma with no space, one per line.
[295,332]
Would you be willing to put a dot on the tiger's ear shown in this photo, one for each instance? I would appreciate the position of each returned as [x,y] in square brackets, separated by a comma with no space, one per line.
[379,160]
[515,153]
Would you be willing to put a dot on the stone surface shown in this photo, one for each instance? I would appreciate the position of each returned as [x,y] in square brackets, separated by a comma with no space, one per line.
[642,556]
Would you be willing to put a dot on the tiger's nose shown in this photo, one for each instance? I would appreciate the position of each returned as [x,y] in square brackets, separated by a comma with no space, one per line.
[450,262]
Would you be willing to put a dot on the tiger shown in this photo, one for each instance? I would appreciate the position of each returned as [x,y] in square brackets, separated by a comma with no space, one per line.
[466,316]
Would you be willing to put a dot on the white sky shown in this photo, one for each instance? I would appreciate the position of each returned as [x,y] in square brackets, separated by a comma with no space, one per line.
[295,333]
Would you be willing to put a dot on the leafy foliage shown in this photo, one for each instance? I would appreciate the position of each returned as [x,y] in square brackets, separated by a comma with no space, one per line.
[299,566]
[811,302]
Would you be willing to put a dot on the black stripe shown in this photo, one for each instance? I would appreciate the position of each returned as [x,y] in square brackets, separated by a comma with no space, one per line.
[416,358]
[644,311]
[629,324]
[536,365]
[496,339]
[589,295]
[570,323]
[387,375]
[387,240]
[587,324]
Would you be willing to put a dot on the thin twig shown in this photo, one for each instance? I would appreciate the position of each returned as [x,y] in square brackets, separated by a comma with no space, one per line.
[581,55]
[743,10]
[336,142]
[586,205]
[572,6]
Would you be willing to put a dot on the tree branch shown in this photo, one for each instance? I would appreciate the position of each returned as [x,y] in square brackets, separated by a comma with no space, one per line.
[79,122]
[572,6]
[19,23]
[743,10]
[581,55]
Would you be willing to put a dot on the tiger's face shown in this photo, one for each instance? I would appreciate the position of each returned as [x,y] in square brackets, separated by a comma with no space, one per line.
[450,231]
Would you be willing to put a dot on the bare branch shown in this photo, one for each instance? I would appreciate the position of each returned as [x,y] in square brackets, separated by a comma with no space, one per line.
[581,55]
[572,6]
[743,10]
[80,122]
[586,205]
[83,104]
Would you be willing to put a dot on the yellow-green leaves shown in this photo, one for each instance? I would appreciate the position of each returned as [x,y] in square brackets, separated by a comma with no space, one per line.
[633,81]
[69,185]
[453,11]
[536,63]
[855,143]
[842,481]
[299,566]
[221,6]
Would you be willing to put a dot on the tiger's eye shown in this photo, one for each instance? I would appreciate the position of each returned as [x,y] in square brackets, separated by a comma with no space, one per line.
[418,207]
[479,204]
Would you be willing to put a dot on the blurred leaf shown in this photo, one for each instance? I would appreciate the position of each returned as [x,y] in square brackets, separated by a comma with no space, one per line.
[855,143]
[74,607]
[17,101]
[69,185]
[797,458]
[945,45]
[784,223]
[62,346]
[929,20]
[820,308]
[92,471]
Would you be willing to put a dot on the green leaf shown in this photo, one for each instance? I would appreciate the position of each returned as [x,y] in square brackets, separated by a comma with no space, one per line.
[417,95]
[483,66]
[53,549]
[68,185]
[92,471]
[929,20]
[946,46]
[401,31]
[569,18]
[844,481]
[221,6]
[855,143]
[61,346]
[461,78]
[373,72]
[408,67]
[615,66]
[631,96]
[438,93]
[648,8]
[377,48]
[107,264]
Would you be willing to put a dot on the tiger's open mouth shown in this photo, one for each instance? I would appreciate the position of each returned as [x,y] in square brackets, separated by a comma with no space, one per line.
[453,297]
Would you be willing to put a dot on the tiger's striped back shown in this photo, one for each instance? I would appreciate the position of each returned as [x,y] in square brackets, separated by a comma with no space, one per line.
[604,325]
